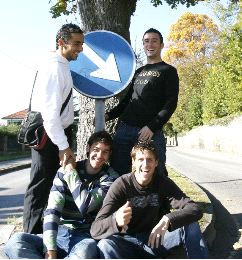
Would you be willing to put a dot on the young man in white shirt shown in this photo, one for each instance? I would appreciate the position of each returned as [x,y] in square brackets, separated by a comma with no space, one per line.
[52,87]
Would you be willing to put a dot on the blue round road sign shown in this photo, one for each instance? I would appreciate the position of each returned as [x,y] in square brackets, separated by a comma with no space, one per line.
[105,67]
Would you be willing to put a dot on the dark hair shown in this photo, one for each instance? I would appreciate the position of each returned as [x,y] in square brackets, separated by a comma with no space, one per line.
[101,137]
[142,146]
[65,32]
[152,30]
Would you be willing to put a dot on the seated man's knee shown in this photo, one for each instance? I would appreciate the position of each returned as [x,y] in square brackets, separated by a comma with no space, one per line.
[108,249]
[85,249]
[14,243]
[15,239]
[192,229]
[105,243]
[24,245]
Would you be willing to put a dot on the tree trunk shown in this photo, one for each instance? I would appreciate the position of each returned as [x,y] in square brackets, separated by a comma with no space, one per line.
[110,15]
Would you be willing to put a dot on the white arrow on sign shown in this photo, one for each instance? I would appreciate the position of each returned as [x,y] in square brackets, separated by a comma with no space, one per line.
[107,69]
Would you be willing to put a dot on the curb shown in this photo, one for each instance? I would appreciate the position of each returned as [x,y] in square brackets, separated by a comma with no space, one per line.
[14,168]
[209,233]
[208,228]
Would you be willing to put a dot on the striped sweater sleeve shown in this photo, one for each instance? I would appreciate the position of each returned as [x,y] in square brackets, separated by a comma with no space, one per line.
[53,211]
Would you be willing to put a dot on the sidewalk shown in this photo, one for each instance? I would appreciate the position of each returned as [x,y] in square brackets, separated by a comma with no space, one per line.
[14,165]
[6,167]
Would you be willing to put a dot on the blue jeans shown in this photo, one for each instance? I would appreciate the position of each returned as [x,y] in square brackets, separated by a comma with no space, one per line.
[127,246]
[70,244]
[124,139]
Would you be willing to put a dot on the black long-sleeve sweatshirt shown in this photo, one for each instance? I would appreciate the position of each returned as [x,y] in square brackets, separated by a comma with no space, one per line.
[149,204]
[151,98]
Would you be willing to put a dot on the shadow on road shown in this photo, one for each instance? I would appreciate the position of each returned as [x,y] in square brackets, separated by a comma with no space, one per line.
[1,189]
[226,230]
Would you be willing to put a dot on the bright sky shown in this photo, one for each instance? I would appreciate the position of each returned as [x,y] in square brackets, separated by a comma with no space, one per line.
[28,30]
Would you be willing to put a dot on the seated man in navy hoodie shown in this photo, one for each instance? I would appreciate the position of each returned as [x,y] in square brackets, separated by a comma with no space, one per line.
[75,198]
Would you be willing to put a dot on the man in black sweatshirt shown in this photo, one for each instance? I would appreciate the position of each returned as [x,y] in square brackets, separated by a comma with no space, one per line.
[149,103]
[135,220]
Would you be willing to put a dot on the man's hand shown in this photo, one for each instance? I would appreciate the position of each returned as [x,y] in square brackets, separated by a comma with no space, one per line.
[51,254]
[145,134]
[124,215]
[70,166]
[157,234]
[65,156]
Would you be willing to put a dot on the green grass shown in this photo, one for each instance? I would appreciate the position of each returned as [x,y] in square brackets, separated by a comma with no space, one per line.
[17,222]
[13,155]
[195,193]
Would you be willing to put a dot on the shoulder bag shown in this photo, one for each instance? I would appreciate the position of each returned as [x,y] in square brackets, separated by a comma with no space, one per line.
[31,132]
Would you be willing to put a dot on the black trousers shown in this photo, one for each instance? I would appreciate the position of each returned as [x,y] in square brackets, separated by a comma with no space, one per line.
[44,166]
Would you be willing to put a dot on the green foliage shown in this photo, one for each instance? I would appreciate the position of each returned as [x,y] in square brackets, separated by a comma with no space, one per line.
[189,111]
[9,130]
[169,130]
[174,3]
[63,7]
[14,155]
[194,117]
[66,7]
[224,121]
[222,94]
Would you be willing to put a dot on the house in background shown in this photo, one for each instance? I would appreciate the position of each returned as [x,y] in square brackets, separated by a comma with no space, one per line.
[15,118]
[9,143]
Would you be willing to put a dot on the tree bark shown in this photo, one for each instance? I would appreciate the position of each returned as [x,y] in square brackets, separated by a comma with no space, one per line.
[110,15]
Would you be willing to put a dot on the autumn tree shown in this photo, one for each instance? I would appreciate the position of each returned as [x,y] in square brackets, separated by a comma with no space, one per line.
[191,38]
[191,42]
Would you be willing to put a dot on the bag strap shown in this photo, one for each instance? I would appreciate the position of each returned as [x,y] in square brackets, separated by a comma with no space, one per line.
[64,104]
[32,90]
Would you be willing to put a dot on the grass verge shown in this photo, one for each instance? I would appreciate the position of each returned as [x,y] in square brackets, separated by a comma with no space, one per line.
[13,155]
[195,193]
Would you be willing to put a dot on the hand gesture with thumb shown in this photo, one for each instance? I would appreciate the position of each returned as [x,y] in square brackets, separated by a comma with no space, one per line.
[124,214]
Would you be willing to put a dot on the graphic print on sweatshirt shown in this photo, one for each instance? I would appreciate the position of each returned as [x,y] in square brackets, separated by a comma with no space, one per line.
[140,201]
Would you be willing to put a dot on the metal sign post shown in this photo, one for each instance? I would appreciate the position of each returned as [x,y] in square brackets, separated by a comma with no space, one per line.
[104,68]
[99,114]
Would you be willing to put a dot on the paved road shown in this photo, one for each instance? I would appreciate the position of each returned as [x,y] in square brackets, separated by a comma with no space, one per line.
[12,189]
[221,177]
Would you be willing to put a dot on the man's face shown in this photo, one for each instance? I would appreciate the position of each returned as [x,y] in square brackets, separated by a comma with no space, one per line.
[152,45]
[144,165]
[74,46]
[99,154]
